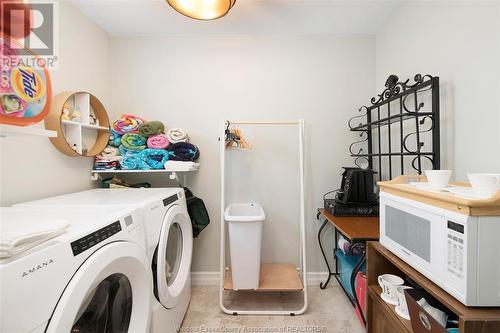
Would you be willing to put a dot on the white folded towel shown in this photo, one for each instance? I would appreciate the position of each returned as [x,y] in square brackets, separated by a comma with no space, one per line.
[176,135]
[110,151]
[181,166]
[20,235]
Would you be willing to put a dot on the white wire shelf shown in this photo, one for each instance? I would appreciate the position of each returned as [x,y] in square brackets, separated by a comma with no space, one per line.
[141,171]
[172,174]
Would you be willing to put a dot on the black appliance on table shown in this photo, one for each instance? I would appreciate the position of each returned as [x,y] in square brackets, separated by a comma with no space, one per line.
[356,197]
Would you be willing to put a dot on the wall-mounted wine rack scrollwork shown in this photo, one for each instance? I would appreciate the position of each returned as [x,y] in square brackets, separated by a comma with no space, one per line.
[400,129]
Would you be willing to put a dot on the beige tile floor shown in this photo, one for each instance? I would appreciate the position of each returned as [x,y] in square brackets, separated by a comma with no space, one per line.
[328,311]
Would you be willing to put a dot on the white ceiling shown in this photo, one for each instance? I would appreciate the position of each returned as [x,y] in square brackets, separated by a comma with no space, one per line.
[282,17]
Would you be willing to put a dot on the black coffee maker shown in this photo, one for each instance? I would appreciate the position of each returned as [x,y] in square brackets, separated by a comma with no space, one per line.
[356,197]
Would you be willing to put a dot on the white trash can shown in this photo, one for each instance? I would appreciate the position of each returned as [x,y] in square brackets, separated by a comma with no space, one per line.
[245,235]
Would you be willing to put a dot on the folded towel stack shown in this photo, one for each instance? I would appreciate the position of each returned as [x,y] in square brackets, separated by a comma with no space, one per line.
[108,159]
[159,141]
[19,235]
[183,151]
[137,144]
[133,141]
[176,135]
[181,166]
[155,158]
[127,123]
[151,128]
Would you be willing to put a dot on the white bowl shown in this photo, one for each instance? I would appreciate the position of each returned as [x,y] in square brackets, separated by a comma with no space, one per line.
[438,179]
[485,184]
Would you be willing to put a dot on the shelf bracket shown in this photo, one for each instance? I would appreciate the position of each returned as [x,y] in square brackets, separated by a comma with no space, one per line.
[94,176]
[173,176]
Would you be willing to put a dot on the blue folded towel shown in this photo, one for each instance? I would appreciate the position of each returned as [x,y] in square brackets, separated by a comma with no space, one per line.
[127,152]
[155,158]
[133,163]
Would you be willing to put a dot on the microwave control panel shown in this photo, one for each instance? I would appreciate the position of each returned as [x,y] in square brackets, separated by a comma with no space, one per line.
[456,235]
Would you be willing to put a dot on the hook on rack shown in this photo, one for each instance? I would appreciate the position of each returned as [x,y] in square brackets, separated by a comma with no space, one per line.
[234,139]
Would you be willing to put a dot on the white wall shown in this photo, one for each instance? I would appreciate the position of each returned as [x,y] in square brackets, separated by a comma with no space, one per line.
[460,43]
[194,82]
[30,167]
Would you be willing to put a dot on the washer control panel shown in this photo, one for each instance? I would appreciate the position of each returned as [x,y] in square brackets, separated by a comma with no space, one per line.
[86,242]
[170,200]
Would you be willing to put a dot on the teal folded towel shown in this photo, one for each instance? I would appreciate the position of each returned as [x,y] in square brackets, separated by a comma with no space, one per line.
[155,158]
[133,162]
[127,152]
[114,139]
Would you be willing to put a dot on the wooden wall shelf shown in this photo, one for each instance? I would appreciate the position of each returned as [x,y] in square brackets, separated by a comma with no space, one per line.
[381,317]
[70,133]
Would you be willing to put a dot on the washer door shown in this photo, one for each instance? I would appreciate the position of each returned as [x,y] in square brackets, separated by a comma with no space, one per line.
[173,256]
[110,292]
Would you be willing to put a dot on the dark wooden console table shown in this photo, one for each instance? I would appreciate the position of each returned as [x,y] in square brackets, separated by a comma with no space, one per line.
[355,230]
[382,317]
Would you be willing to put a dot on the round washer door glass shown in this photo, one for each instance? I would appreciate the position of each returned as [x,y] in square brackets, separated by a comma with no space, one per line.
[108,308]
[173,253]
[173,261]
[110,292]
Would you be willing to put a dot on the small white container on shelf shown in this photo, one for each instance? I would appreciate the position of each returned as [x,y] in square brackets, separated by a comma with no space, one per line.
[245,236]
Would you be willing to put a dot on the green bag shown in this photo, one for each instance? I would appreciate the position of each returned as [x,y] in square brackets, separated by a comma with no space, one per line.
[197,212]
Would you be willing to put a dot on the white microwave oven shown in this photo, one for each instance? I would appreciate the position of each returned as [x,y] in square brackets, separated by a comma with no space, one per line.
[459,253]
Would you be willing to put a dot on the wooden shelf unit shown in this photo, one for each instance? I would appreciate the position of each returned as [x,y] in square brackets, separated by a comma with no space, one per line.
[273,277]
[381,317]
[72,135]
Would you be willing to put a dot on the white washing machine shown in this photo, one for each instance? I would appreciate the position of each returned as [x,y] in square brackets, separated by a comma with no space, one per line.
[169,240]
[94,277]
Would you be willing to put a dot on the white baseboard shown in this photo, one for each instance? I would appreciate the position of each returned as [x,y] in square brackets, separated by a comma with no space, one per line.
[212,278]
[205,278]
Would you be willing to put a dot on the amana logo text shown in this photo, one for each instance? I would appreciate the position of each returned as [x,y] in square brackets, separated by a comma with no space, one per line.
[34,269]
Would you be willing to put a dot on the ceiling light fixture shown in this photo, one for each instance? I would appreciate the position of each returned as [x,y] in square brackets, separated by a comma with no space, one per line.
[202,9]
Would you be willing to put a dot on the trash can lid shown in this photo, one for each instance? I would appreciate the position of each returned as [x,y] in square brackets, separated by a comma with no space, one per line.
[244,212]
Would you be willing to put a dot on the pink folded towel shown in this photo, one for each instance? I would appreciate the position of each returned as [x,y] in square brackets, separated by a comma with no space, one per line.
[159,141]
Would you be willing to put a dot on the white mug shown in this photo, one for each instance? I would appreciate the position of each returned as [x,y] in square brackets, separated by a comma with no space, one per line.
[388,283]
[403,307]
[438,179]
[484,183]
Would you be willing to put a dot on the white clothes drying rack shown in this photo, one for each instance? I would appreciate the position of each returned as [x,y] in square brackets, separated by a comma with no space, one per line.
[302,252]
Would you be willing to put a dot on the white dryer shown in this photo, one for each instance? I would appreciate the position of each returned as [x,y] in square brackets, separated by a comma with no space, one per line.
[93,277]
[169,241]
